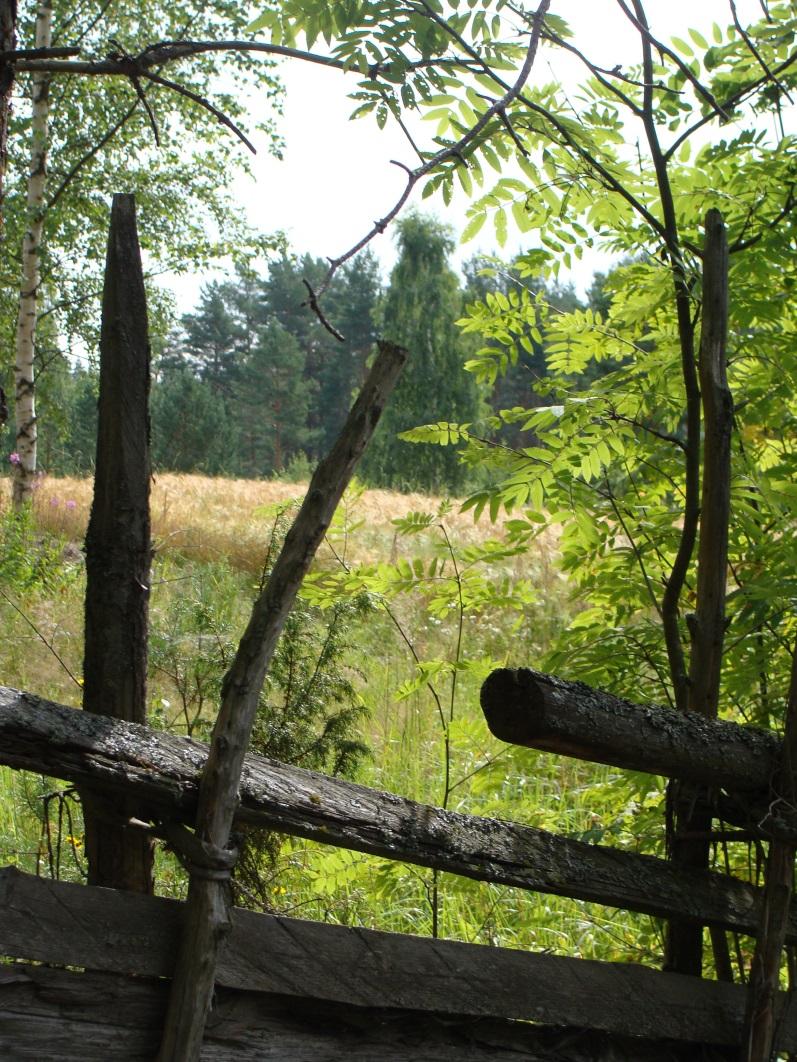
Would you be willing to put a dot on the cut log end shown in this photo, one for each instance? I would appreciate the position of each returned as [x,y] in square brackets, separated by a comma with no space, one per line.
[508,695]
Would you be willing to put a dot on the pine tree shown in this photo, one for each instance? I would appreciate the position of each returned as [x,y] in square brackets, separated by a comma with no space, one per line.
[422,306]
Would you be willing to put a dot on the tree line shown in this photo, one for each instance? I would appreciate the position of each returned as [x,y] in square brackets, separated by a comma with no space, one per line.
[251,383]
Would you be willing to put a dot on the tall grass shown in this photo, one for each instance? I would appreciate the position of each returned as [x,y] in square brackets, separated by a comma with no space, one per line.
[211,536]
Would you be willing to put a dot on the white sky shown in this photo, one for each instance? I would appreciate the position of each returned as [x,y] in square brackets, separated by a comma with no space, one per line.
[336,177]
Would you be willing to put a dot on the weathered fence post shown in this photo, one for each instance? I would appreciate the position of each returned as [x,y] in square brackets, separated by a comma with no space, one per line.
[689,811]
[761,1020]
[118,549]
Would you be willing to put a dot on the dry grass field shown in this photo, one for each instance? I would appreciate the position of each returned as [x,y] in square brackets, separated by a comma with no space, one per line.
[208,519]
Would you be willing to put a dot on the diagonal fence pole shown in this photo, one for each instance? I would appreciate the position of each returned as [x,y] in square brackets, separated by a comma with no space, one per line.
[207,919]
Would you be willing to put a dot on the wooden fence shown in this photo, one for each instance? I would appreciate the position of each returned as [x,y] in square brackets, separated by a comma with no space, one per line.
[88,969]
[294,989]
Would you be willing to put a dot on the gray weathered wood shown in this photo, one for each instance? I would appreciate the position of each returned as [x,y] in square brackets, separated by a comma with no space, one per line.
[207,915]
[707,626]
[103,929]
[162,771]
[118,546]
[62,1016]
[526,707]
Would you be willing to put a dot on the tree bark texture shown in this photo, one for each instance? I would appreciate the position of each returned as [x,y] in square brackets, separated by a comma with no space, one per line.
[118,547]
[690,808]
[525,707]
[99,1017]
[761,1023]
[24,470]
[161,771]
[707,627]
[8,42]
[104,930]
[207,912]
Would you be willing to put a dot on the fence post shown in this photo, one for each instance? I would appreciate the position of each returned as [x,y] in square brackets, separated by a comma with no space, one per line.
[118,549]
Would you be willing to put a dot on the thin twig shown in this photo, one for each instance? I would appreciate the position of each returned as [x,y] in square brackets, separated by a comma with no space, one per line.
[312,302]
[181,90]
[39,635]
[453,151]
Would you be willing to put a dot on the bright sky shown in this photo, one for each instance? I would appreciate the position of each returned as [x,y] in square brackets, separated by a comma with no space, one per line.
[336,177]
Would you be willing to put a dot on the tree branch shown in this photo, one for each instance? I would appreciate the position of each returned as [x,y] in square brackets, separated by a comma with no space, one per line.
[760,1022]
[639,21]
[453,151]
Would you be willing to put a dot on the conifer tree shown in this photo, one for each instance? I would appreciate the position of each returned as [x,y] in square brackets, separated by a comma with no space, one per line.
[423,303]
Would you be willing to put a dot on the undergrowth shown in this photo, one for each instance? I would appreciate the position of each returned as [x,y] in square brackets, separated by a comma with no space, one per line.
[376,678]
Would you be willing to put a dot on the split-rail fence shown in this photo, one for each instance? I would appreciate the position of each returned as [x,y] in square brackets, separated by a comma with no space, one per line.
[87,969]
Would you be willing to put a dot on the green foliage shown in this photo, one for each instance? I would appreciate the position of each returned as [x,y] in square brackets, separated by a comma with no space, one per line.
[102,142]
[30,560]
[271,386]
[422,305]
[190,425]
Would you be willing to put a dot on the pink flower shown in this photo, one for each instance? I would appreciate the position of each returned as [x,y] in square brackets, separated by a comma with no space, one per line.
[70,504]
[54,502]
[15,459]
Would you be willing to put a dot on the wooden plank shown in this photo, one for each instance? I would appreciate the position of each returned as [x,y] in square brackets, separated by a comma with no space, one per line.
[105,930]
[525,707]
[162,770]
[761,1025]
[94,1017]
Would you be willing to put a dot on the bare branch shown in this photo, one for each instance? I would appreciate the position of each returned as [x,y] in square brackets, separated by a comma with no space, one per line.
[453,151]
[181,90]
[312,302]
[171,51]
[640,23]
[38,53]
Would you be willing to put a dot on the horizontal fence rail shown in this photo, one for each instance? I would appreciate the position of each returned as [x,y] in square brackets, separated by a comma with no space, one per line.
[161,771]
[526,707]
[109,931]
[100,1017]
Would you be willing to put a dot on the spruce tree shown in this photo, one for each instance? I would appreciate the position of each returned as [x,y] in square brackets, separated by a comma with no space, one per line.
[272,401]
[423,303]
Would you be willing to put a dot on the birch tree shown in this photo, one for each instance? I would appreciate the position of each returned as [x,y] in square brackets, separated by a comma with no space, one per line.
[24,465]
[99,136]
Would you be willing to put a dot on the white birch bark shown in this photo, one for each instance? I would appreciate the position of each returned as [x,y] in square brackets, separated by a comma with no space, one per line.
[25,406]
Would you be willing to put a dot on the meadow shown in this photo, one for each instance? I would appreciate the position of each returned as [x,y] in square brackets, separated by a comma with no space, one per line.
[409,606]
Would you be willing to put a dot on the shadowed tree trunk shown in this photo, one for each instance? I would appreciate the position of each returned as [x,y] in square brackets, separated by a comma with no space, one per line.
[118,550]
[8,41]
[689,807]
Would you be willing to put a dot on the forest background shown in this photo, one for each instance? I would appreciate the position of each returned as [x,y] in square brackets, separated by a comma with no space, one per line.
[568,429]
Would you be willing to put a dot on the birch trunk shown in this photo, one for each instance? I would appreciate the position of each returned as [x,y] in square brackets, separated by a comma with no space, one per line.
[25,405]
